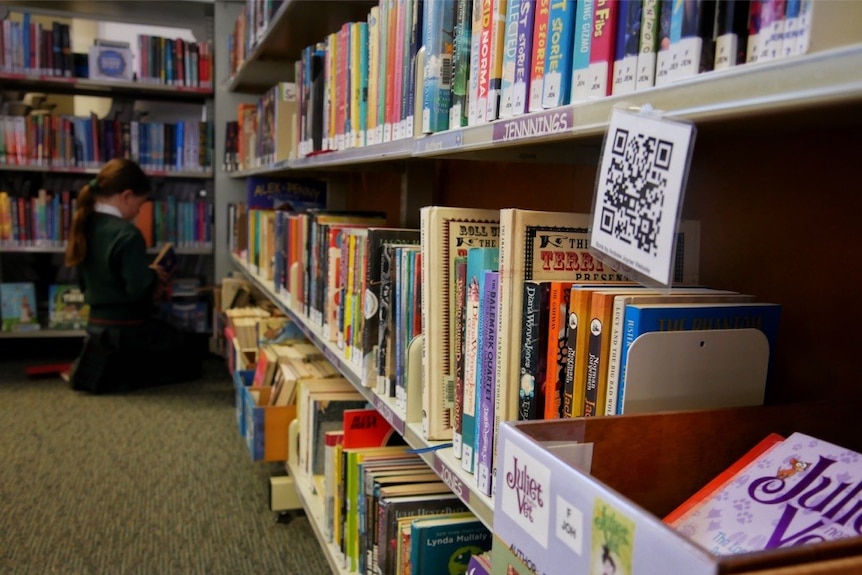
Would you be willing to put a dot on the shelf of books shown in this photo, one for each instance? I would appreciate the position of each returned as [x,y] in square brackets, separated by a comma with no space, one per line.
[818,69]
[796,84]
[268,32]
[103,88]
[48,169]
[576,491]
[438,454]
[313,503]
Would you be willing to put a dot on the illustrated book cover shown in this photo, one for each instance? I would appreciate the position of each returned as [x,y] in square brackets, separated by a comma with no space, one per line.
[445,544]
[18,306]
[804,490]
[66,307]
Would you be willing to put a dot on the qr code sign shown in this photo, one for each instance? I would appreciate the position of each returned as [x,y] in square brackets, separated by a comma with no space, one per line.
[640,184]
[635,189]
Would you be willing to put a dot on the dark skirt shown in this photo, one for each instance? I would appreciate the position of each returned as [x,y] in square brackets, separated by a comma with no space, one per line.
[120,358]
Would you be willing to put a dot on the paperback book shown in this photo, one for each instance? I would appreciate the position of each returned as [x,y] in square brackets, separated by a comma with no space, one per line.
[804,490]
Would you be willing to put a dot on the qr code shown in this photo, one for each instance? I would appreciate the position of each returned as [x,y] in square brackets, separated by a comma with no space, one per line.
[635,186]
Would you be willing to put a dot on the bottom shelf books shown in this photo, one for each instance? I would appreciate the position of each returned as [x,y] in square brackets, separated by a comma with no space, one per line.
[793,492]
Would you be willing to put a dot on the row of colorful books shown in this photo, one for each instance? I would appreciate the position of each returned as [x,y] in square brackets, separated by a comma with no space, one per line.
[373,489]
[27,46]
[45,218]
[248,30]
[18,312]
[424,67]
[263,133]
[43,139]
[30,47]
[175,62]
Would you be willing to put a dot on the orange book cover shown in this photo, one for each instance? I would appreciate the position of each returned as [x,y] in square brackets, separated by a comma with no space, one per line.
[144,221]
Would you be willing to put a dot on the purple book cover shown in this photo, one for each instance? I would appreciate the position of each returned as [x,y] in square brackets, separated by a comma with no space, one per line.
[485,394]
[805,490]
[523,57]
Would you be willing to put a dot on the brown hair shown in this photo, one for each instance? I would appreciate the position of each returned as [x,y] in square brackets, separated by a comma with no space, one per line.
[115,177]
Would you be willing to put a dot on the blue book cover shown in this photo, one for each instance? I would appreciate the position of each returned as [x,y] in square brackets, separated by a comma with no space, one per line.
[559,55]
[644,318]
[18,306]
[439,25]
[626,46]
[479,260]
[445,544]
[581,52]
[294,194]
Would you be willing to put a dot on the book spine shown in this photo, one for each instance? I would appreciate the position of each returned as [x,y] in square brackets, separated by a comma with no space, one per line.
[373,73]
[460,355]
[472,351]
[495,69]
[627,46]
[581,56]
[523,55]
[731,34]
[487,384]
[558,306]
[439,20]
[602,48]
[648,45]
[534,340]
[510,53]
[458,113]
[558,57]
[697,44]
[475,56]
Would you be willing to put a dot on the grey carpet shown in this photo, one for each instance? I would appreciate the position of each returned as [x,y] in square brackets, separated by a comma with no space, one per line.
[151,482]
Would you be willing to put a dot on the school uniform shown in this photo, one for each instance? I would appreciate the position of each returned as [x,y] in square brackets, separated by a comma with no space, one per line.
[126,348]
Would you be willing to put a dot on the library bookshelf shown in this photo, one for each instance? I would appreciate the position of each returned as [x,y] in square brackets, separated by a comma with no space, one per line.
[59,168]
[777,143]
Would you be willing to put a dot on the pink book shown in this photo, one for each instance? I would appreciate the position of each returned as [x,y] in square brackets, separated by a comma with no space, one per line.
[600,81]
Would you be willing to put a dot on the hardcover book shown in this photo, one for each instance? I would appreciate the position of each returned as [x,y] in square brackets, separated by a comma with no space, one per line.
[447,232]
[167,259]
[392,508]
[802,491]
[18,306]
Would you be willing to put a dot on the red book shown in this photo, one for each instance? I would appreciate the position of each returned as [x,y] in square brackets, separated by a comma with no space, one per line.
[367,428]
[602,48]
[722,478]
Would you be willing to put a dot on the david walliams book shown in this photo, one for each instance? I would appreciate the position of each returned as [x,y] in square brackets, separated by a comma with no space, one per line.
[804,490]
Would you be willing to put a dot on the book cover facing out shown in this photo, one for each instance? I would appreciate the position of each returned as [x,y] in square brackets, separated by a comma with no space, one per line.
[18,306]
[803,491]
[66,307]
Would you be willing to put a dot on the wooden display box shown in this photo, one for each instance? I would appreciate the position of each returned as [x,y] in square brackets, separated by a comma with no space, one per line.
[266,425]
[641,467]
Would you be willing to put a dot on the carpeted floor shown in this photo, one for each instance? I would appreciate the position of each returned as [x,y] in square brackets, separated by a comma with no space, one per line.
[151,482]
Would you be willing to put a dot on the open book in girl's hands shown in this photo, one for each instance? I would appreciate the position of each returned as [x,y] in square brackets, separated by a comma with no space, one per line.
[166,259]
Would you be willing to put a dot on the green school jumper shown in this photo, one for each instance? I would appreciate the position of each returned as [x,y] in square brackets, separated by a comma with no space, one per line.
[126,348]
